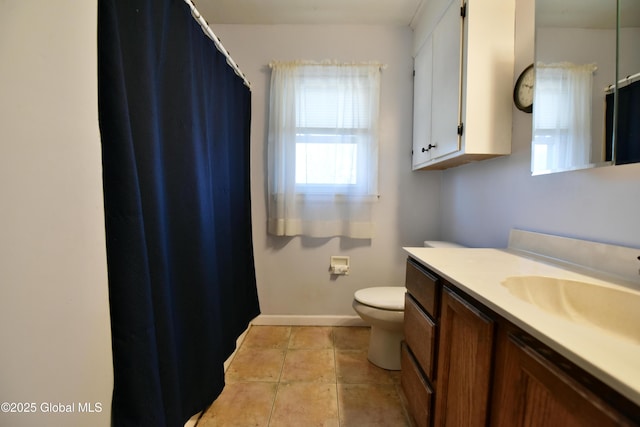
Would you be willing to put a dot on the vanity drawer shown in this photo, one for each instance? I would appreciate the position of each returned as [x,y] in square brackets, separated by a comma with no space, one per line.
[424,287]
[419,333]
[417,390]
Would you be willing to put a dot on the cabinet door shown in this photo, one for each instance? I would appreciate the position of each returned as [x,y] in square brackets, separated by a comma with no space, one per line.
[423,63]
[446,82]
[464,364]
[532,391]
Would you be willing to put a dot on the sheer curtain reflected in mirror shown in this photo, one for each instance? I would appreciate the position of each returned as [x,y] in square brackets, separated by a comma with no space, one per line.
[562,123]
[575,61]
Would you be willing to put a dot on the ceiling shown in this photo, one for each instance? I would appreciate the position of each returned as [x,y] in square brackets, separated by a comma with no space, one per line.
[586,13]
[270,12]
[575,13]
[565,13]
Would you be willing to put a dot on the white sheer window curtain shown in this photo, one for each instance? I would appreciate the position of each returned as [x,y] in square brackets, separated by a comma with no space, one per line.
[323,149]
[562,117]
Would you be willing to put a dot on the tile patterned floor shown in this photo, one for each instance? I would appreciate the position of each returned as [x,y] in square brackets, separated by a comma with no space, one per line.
[304,376]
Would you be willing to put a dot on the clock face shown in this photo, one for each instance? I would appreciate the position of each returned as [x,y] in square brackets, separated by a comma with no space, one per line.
[523,91]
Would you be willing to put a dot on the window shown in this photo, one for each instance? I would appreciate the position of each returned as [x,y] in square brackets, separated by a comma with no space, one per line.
[562,116]
[323,148]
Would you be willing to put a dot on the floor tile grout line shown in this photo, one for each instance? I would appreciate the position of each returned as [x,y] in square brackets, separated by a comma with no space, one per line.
[335,371]
[275,396]
[405,410]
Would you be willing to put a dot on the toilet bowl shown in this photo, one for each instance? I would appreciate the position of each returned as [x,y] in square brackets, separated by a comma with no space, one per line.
[383,309]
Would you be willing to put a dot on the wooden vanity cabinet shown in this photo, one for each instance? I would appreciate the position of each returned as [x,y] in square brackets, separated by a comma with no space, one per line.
[420,334]
[424,287]
[448,347]
[464,365]
[417,379]
[417,389]
[534,386]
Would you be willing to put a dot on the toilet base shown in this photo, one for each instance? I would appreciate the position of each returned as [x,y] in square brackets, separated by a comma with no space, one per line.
[384,348]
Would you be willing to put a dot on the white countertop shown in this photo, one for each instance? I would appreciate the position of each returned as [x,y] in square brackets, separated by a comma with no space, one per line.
[479,272]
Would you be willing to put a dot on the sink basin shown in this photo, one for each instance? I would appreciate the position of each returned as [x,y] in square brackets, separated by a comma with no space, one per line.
[615,310]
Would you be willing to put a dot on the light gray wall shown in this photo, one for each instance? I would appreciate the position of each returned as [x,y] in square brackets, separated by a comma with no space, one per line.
[481,202]
[629,52]
[54,313]
[292,273]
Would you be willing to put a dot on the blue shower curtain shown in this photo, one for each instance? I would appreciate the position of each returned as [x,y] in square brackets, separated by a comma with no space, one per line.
[627,145]
[174,122]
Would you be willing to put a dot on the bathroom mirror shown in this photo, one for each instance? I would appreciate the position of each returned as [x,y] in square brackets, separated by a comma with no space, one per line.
[578,119]
[627,136]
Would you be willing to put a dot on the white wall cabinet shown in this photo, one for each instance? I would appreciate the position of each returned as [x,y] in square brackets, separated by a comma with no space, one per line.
[463,82]
[437,90]
[423,76]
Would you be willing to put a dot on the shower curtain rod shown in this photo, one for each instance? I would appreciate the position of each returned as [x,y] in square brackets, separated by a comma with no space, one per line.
[209,32]
[624,82]
[327,62]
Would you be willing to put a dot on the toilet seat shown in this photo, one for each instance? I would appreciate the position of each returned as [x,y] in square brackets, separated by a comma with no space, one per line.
[382,297]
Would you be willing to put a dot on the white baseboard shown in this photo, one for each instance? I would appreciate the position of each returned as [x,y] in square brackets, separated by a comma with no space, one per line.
[307,320]
[193,420]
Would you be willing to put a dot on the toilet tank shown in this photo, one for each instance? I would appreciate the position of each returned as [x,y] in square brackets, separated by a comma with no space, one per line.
[441,244]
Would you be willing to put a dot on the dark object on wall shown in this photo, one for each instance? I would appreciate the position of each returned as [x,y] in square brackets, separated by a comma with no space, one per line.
[627,144]
[174,122]
[628,136]
[608,133]
[523,90]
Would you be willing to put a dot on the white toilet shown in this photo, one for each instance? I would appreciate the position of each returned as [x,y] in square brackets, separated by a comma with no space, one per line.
[383,309]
